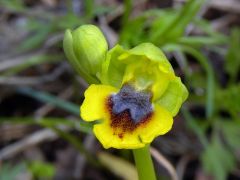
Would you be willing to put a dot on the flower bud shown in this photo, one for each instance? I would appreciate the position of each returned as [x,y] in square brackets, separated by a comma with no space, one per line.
[86,49]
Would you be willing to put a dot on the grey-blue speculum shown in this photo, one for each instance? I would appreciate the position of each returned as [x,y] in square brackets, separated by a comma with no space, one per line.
[138,103]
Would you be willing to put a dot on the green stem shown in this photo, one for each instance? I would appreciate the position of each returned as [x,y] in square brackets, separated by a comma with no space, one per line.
[144,163]
[89,9]
[127,11]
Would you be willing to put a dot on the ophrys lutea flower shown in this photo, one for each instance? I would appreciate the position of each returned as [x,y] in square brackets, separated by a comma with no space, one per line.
[137,99]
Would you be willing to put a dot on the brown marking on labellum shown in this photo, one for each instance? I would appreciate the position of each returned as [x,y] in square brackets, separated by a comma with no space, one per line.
[120,135]
[122,122]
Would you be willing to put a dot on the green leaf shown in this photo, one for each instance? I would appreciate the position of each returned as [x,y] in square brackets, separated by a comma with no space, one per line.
[126,35]
[195,126]
[36,39]
[53,100]
[207,67]
[232,57]
[160,23]
[208,29]
[68,21]
[200,41]
[42,169]
[159,26]
[13,5]
[231,99]
[231,133]
[8,172]
[171,27]
[102,10]
[217,160]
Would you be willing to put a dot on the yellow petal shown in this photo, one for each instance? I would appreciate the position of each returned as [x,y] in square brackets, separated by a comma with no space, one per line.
[105,134]
[159,124]
[94,105]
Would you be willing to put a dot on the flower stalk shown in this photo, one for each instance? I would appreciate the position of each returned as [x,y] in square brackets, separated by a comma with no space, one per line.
[144,163]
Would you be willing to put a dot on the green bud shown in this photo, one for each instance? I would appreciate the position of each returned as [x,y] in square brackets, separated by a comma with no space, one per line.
[86,49]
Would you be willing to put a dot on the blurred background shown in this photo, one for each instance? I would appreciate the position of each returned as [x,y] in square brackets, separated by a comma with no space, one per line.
[41,133]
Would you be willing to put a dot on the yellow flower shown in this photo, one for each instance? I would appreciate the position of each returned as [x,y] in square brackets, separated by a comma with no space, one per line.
[137,100]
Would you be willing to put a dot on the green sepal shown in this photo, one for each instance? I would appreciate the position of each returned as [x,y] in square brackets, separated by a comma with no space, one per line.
[151,52]
[113,69]
[149,69]
[175,94]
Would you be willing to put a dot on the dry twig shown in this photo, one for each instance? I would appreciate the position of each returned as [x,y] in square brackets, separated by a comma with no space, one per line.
[31,140]
[182,164]
[164,162]
[33,80]
[19,60]
[81,160]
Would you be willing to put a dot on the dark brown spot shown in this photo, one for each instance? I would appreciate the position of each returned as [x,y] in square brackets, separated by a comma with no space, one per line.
[120,135]
[122,122]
